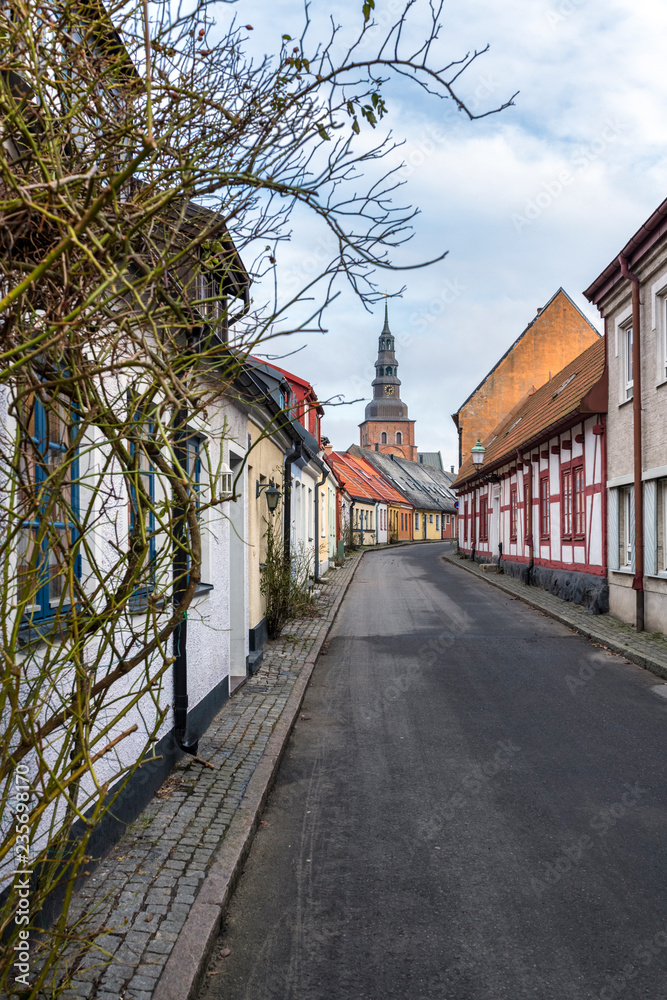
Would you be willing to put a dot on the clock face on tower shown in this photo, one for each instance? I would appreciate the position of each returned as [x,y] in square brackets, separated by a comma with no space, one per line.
[389,390]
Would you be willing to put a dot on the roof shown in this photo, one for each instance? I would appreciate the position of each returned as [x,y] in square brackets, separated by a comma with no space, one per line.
[561,291]
[408,478]
[433,458]
[560,399]
[380,482]
[646,236]
[355,478]
[300,381]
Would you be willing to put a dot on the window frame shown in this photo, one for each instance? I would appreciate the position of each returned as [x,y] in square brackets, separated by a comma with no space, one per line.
[483,518]
[627,373]
[514,513]
[545,507]
[44,610]
[578,501]
[566,504]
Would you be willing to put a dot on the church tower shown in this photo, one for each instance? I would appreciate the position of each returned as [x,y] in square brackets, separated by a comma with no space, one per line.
[387,427]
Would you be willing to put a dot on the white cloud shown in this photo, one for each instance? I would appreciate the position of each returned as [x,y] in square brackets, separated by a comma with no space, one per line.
[592,93]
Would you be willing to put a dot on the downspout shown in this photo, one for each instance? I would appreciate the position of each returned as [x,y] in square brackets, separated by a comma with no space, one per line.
[317,522]
[528,516]
[180,583]
[638,582]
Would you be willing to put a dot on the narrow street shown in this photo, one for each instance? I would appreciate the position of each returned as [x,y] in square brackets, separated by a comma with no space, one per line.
[472,806]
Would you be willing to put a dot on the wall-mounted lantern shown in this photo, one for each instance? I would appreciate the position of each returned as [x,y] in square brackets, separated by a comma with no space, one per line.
[478,451]
[272,494]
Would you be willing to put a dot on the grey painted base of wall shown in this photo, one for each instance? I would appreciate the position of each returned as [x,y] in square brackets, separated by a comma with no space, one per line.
[258,636]
[591,592]
[139,790]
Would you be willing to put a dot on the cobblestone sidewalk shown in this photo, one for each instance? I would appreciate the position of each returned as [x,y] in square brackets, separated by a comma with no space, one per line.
[143,891]
[647,649]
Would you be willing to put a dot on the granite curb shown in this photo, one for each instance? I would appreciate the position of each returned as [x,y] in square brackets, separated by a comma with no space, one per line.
[589,630]
[186,965]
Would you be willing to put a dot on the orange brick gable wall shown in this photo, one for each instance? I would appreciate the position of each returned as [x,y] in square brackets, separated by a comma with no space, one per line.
[557,335]
[371,434]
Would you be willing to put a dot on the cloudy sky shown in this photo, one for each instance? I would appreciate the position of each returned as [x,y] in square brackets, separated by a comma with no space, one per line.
[543,195]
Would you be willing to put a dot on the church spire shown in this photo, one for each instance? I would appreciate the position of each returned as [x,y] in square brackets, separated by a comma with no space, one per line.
[386,400]
[385,328]
[387,427]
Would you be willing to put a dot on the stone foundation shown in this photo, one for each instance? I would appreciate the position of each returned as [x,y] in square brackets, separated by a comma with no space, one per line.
[591,592]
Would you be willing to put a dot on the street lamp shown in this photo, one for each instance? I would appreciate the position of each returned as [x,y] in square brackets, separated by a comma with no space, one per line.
[272,494]
[478,451]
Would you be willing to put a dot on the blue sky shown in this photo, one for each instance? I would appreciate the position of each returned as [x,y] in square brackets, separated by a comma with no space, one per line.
[542,195]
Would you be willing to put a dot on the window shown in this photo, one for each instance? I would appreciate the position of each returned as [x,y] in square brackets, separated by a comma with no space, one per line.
[579,502]
[383,437]
[661,539]
[466,521]
[437,522]
[399,437]
[430,518]
[514,513]
[416,521]
[626,533]
[626,366]
[323,527]
[370,518]
[527,512]
[566,503]
[484,519]
[545,508]
[42,572]
[662,339]
[448,520]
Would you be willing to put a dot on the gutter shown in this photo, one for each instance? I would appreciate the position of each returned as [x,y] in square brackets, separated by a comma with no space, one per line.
[638,582]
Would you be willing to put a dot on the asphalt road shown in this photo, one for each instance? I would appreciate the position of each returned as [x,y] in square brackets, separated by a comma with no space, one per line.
[472,806]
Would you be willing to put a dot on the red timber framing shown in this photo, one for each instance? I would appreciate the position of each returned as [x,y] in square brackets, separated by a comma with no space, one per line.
[543,488]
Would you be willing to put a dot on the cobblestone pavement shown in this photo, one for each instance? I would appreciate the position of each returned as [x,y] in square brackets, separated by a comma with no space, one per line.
[647,649]
[142,892]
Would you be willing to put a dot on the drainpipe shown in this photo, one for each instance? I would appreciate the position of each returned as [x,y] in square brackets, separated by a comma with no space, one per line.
[638,582]
[528,515]
[325,473]
[180,636]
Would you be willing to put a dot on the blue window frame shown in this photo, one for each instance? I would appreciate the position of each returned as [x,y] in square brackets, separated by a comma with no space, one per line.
[43,564]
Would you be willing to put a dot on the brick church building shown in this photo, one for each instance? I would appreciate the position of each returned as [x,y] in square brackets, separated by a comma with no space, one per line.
[387,427]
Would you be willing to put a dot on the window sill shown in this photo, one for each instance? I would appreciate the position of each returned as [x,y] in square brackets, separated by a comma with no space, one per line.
[624,571]
[624,402]
[31,635]
[203,589]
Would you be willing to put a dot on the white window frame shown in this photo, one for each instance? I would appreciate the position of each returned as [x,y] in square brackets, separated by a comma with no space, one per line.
[627,375]
[626,522]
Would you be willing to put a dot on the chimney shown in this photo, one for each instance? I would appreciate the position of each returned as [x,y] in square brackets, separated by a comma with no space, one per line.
[452,468]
